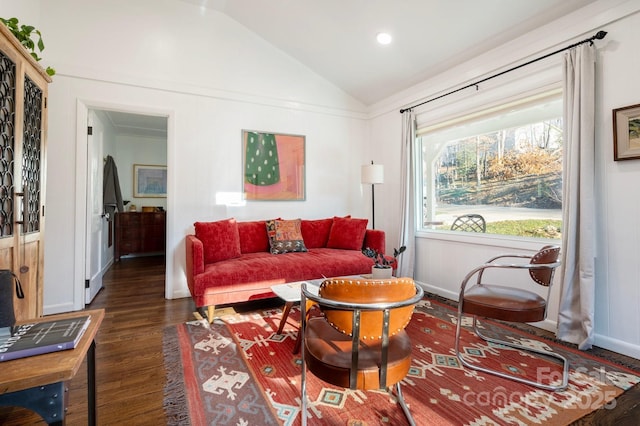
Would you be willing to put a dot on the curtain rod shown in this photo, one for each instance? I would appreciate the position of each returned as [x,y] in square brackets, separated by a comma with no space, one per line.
[599,36]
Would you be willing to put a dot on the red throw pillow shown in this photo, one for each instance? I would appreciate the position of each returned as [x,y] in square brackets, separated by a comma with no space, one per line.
[220,240]
[315,233]
[347,233]
[253,237]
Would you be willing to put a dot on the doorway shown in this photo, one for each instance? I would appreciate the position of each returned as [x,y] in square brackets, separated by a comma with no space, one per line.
[130,139]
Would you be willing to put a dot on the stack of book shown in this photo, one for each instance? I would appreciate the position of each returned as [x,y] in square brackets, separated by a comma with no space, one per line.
[41,337]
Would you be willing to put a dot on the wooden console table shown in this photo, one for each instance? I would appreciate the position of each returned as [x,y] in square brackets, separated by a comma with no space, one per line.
[37,382]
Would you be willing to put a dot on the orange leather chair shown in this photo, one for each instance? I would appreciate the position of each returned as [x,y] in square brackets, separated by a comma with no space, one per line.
[510,304]
[360,341]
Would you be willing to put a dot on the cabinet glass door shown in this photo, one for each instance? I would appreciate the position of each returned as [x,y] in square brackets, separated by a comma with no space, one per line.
[22,157]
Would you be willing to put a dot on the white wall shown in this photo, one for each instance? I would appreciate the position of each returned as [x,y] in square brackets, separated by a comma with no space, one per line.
[212,78]
[618,229]
[144,150]
[442,263]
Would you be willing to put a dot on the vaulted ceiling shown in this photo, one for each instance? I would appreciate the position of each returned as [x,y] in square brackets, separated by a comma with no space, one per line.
[337,38]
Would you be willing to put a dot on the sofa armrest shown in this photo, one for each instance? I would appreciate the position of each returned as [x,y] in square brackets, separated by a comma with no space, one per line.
[195,259]
[375,239]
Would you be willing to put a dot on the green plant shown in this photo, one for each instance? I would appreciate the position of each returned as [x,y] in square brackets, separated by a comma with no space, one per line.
[24,34]
[382,261]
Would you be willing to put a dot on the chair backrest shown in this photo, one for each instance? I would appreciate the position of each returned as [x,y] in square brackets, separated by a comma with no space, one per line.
[368,291]
[547,254]
[469,223]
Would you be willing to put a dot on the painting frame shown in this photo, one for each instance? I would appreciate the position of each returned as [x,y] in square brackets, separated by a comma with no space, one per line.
[149,181]
[273,166]
[626,133]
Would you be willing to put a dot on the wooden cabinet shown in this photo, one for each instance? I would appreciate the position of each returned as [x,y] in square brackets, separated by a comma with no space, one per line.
[23,140]
[140,233]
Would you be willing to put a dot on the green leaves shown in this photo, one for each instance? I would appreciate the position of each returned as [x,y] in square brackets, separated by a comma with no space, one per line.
[398,252]
[25,34]
[380,259]
[12,23]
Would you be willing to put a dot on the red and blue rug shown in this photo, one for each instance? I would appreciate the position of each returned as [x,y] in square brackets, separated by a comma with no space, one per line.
[238,371]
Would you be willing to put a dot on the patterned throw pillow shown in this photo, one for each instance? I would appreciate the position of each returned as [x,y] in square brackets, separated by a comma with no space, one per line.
[285,236]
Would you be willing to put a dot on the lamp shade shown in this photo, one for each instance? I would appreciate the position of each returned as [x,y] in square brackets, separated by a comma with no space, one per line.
[372,173]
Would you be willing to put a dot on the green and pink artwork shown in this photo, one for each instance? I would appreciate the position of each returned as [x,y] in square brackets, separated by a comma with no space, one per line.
[273,166]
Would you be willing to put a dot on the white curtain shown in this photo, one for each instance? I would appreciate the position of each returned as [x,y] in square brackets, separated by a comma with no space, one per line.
[575,317]
[406,261]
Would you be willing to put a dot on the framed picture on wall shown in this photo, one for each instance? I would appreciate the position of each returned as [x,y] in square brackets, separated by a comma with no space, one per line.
[149,181]
[626,133]
[273,166]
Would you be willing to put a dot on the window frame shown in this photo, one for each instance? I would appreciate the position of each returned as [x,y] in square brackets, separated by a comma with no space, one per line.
[459,111]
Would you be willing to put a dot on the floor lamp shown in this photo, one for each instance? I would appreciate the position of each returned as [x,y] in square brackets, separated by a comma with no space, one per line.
[372,174]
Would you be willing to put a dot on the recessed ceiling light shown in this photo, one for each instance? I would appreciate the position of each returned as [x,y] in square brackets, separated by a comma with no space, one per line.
[383,38]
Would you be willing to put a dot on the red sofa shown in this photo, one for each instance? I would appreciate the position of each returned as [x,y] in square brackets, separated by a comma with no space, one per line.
[229,261]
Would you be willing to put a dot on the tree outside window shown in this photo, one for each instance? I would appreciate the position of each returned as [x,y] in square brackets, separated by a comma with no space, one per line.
[506,167]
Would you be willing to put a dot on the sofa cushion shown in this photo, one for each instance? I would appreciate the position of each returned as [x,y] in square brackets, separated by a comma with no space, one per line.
[220,239]
[253,237]
[262,270]
[347,233]
[285,236]
[315,233]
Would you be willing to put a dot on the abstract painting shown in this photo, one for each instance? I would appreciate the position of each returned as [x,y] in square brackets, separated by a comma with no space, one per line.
[273,166]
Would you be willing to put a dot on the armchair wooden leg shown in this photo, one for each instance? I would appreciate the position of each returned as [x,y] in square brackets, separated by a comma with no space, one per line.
[285,314]
[201,314]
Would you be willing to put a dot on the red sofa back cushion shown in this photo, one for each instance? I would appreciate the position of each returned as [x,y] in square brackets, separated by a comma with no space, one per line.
[347,233]
[315,233]
[220,239]
[253,236]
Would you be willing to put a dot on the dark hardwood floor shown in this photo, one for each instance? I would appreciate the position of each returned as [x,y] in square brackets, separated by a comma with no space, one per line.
[130,371]
[129,362]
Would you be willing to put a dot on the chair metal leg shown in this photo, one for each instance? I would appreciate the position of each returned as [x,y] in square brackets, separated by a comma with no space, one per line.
[565,362]
[303,374]
[403,404]
[303,396]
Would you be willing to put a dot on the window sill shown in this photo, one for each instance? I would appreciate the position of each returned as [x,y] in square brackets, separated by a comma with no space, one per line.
[489,240]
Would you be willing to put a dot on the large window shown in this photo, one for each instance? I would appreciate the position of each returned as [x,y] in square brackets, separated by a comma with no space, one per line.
[499,170]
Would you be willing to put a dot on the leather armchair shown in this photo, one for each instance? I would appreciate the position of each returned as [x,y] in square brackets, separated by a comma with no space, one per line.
[360,341]
[510,304]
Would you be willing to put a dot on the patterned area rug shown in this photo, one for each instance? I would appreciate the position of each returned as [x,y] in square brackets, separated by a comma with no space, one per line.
[238,371]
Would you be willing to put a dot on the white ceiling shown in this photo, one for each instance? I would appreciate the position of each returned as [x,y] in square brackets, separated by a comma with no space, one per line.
[336,38]
[138,124]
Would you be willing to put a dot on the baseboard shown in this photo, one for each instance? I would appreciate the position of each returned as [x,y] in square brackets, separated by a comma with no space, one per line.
[179,294]
[438,291]
[58,309]
[615,345]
